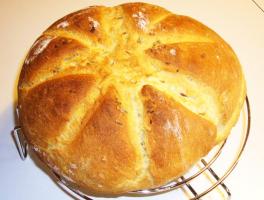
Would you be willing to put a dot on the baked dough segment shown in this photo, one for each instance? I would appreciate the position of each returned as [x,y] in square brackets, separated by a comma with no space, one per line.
[175,138]
[103,153]
[48,56]
[86,22]
[142,16]
[48,107]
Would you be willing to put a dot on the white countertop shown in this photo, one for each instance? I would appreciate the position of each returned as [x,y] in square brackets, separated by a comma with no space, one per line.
[239,22]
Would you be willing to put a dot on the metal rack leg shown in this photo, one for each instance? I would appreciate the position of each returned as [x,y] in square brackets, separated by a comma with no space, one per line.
[226,189]
[20,142]
[66,187]
[190,187]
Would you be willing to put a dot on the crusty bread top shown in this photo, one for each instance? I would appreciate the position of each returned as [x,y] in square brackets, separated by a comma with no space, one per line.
[123,98]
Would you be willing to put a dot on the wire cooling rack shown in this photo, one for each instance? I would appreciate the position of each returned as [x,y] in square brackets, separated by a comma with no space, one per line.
[202,169]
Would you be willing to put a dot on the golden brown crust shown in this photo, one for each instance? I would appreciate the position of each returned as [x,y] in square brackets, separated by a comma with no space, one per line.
[101,153]
[46,55]
[47,107]
[183,25]
[142,15]
[129,97]
[173,134]
[84,22]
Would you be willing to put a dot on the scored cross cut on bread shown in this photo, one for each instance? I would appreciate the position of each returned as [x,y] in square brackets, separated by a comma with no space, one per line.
[117,99]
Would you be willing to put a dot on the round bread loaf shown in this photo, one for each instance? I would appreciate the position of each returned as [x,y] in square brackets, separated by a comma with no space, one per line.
[116,99]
